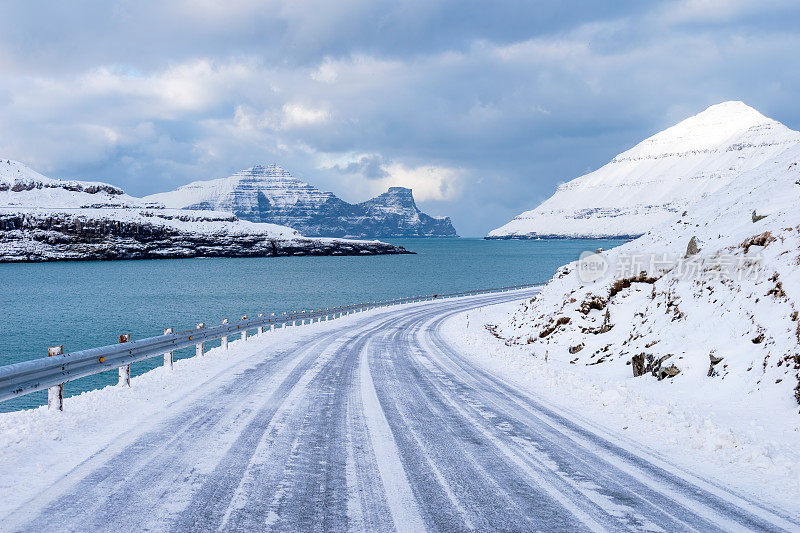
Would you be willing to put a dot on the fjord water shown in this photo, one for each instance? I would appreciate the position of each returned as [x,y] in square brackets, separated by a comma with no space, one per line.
[88,304]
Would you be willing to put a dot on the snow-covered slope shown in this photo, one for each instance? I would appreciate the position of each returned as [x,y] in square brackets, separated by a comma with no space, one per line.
[659,177]
[720,324]
[22,186]
[42,219]
[270,194]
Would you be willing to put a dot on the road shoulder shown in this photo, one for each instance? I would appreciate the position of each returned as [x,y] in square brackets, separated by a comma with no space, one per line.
[762,466]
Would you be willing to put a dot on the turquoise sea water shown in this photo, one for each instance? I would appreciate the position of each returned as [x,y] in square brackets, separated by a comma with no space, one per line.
[87,304]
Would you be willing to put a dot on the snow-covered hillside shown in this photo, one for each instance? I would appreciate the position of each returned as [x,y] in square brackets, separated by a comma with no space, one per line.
[686,339]
[709,300]
[43,219]
[22,186]
[270,194]
[659,177]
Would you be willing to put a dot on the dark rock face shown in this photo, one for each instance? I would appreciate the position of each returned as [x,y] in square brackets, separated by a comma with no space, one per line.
[64,237]
[395,214]
[691,248]
[270,194]
[646,364]
[72,186]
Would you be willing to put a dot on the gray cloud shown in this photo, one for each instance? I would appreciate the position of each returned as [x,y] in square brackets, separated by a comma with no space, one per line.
[370,166]
[483,108]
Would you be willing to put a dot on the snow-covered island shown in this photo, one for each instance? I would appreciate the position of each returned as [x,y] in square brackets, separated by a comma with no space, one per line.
[269,193]
[44,219]
[658,178]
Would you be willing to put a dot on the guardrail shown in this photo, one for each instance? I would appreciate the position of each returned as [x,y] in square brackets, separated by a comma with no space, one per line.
[57,368]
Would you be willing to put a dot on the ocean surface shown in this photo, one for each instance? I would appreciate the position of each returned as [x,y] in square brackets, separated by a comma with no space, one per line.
[88,304]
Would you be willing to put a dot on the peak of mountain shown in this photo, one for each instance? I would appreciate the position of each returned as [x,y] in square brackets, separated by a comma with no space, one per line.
[398,199]
[658,178]
[269,193]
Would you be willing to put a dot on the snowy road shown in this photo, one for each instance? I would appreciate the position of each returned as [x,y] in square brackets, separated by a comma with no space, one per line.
[376,423]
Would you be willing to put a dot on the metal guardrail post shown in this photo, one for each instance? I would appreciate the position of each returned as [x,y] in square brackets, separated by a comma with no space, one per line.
[168,358]
[125,370]
[198,348]
[244,330]
[224,338]
[260,329]
[55,395]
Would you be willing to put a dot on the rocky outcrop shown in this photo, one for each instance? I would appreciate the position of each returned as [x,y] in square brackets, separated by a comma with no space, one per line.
[30,237]
[646,364]
[692,248]
[270,194]
[71,186]
[395,214]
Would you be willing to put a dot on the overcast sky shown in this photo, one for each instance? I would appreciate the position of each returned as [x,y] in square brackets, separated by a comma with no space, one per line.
[483,108]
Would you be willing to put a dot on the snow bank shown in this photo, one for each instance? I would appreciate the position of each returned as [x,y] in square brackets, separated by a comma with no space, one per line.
[741,441]
[690,332]
[725,317]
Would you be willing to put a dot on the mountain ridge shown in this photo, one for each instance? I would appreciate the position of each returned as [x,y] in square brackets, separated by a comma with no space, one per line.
[269,193]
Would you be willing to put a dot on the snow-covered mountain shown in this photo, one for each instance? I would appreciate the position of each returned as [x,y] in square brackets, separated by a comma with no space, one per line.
[710,299]
[659,177]
[270,194]
[43,219]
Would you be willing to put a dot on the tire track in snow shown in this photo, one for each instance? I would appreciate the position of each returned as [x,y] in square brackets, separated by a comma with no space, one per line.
[274,459]
[497,493]
[698,502]
[160,469]
[397,491]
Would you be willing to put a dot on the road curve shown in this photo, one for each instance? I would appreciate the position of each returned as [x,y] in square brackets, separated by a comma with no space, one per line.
[378,425]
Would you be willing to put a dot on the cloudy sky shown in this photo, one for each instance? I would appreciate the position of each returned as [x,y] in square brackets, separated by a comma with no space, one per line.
[483,108]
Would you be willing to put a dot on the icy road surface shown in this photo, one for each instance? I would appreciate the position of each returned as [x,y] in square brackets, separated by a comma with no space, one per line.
[376,423]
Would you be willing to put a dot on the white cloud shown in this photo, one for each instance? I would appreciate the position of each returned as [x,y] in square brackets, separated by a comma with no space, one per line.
[298,115]
[190,86]
[718,10]
[428,182]
[326,72]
